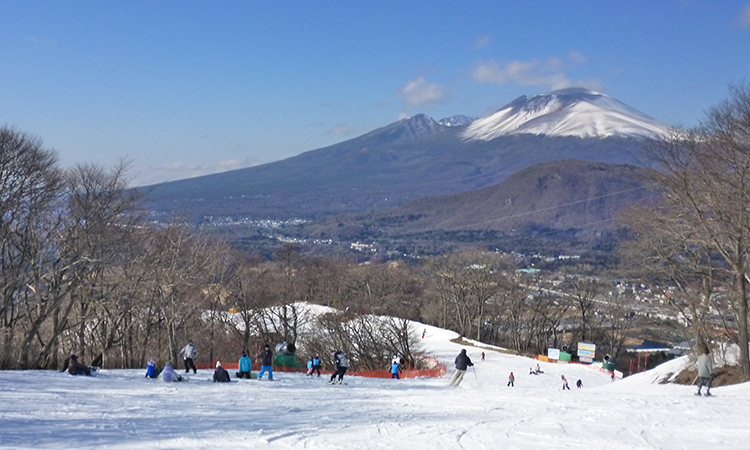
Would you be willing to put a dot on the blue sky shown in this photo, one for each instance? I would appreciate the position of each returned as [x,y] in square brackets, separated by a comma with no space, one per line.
[184,88]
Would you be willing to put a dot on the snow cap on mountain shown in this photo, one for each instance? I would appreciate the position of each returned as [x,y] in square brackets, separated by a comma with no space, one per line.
[567,112]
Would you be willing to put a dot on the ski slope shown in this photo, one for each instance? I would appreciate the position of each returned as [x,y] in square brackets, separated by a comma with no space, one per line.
[119,409]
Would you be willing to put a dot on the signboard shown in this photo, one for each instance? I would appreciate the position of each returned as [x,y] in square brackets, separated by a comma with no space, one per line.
[553,353]
[586,352]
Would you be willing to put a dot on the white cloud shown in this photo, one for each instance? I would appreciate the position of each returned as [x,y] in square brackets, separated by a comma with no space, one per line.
[745,17]
[482,41]
[420,92]
[341,129]
[550,72]
[577,57]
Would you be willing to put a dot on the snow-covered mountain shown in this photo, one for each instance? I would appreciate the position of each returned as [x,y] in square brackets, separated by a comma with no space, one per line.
[568,112]
[456,121]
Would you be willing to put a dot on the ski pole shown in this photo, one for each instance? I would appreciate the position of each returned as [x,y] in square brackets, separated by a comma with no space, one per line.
[475,372]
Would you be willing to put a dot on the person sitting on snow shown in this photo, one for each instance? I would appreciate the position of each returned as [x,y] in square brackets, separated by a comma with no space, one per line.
[151,371]
[220,374]
[168,374]
[76,368]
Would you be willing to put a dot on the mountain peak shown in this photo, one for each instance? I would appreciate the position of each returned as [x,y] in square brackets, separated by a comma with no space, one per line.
[576,112]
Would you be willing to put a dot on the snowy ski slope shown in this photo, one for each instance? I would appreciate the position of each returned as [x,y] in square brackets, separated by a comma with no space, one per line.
[119,409]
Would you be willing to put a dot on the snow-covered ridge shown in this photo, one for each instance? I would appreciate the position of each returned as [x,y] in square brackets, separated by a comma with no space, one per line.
[567,112]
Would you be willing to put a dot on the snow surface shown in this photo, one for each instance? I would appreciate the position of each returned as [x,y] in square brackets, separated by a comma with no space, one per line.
[119,409]
[567,112]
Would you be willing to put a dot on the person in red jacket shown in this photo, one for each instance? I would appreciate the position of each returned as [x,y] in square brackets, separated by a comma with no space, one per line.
[511,380]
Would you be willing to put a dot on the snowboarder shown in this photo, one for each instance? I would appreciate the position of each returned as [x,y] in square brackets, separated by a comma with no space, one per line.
[538,370]
[424,332]
[342,363]
[705,371]
[245,366]
[511,380]
[482,356]
[188,354]
[462,363]
[316,365]
[579,384]
[168,374]
[220,374]
[151,371]
[564,382]
[266,361]
[76,368]
[309,367]
[395,369]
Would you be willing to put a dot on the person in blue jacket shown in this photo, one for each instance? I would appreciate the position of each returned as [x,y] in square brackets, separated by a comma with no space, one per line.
[316,365]
[245,366]
[151,371]
[395,369]
[309,367]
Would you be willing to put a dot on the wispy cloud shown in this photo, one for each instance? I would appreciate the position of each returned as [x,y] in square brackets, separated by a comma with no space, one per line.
[550,72]
[341,129]
[482,42]
[41,41]
[420,92]
[745,17]
[180,169]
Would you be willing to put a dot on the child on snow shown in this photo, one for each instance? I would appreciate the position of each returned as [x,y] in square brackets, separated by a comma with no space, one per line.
[309,367]
[395,369]
[579,384]
[511,380]
[564,382]
[220,374]
[245,366]
[168,374]
[151,369]
[316,365]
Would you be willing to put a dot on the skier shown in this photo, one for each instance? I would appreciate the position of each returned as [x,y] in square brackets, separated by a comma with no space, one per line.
[188,354]
[511,380]
[564,382]
[342,363]
[266,359]
[309,367]
[220,374]
[705,372]
[76,368]
[151,371]
[462,363]
[245,366]
[168,374]
[424,332]
[395,369]
[538,370]
[579,384]
[316,365]
[482,356]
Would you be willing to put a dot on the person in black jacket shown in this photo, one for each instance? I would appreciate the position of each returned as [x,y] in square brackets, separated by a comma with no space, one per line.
[462,363]
[266,361]
[220,374]
[342,363]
